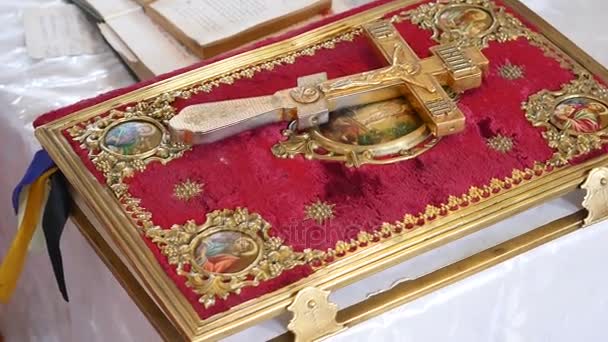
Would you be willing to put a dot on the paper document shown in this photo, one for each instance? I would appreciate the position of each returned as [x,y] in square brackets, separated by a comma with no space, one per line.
[207,21]
[149,43]
[60,30]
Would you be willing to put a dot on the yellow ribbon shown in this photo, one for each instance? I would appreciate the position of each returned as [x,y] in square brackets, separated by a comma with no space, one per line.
[13,262]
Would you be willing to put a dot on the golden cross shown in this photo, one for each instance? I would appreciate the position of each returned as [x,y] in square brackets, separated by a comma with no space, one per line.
[421,81]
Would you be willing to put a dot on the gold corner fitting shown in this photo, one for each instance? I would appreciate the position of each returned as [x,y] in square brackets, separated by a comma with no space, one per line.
[596,198]
[314,316]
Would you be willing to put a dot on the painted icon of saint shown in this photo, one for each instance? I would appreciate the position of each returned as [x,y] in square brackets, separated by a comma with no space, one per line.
[373,123]
[580,115]
[132,138]
[470,21]
[227,252]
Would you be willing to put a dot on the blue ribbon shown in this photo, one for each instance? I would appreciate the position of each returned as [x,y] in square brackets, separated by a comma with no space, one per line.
[55,213]
[39,165]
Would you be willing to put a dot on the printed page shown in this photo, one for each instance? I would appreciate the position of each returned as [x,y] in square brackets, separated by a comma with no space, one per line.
[60,30]
[117,43]
[152,45]
[207,21]
[113,8]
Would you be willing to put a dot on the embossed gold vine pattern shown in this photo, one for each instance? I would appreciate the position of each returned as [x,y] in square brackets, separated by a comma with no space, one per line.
[114,166]
[541,111]
[181,242]
[261,256]
[187,190]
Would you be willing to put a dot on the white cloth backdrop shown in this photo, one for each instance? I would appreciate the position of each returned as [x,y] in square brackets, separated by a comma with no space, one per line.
[554,293]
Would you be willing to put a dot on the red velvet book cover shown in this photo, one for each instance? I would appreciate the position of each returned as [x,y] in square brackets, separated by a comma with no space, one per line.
[313,212]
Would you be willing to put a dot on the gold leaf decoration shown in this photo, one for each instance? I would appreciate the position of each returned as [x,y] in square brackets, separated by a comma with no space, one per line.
[187,190]
[500,143]
[319,211]
[511,71]
[253,255]
[501,27]
[116,166]
[542,110]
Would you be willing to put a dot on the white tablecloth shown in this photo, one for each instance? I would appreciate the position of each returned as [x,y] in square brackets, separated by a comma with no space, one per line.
[554,293]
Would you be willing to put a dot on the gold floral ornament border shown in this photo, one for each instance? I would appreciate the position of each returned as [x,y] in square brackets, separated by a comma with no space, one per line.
[116,167]
[313,145]
[181,242]
[504,27]
[540,109]
[431,213]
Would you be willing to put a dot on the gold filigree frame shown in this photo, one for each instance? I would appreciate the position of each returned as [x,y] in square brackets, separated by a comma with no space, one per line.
[115,166]
[152,152]
[504,27]
[314,145]
[540,109]
[181,242]
[442,33]
[122,232]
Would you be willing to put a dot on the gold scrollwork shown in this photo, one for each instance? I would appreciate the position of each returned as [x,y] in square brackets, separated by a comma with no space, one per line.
[379,133]
[305,144]
[305,94]
[575,118]
[120,159]
[231,250]
[465,22]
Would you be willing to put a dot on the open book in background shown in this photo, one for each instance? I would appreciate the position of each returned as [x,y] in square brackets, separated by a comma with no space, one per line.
[211,27]
[149,50]
[146,48]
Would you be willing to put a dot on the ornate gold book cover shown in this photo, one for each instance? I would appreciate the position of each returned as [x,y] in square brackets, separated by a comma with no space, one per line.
[224,234]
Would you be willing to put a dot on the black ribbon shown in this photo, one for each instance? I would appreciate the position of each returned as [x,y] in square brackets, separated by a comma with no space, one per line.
[56,213]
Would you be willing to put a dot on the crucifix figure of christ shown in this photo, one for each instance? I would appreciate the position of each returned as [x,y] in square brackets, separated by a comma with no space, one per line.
[421,81]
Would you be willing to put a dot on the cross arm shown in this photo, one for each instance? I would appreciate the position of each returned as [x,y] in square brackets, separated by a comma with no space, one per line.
[459,68]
